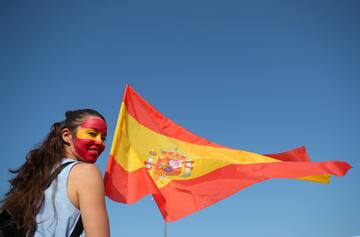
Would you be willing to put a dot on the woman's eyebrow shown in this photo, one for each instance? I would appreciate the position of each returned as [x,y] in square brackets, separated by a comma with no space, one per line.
[97,130]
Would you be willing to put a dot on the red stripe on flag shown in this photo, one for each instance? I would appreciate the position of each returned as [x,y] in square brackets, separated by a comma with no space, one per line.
[149,117]
[187,196]
[184,197]
[124,186]
[298,154]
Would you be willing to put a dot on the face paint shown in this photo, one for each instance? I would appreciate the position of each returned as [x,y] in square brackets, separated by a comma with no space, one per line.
[90,138]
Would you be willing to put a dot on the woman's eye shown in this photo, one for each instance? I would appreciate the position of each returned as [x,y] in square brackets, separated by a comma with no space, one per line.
[93,134]
[103,138]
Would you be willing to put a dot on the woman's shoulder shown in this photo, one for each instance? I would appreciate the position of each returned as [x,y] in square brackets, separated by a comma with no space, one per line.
[83,167]
[83,174]
[85,183]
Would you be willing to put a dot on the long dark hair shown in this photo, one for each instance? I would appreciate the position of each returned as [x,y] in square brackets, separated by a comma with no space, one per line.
[26,195]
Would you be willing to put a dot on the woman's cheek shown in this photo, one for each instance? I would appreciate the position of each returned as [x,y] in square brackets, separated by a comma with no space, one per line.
[82,149]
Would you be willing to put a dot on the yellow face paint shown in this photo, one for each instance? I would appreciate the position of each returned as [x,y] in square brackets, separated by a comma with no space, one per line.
[91,134]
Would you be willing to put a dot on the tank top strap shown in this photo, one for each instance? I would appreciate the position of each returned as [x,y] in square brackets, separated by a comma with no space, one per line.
[58,215]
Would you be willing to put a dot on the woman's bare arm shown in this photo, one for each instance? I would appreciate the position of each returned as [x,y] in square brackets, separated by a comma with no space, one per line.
[86,191]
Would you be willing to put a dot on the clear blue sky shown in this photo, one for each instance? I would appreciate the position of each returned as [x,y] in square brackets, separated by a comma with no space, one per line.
[262,76]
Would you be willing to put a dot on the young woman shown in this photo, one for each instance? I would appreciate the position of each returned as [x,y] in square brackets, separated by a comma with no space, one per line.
[78,189]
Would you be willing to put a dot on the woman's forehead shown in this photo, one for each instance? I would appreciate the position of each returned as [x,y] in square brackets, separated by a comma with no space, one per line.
[95,123]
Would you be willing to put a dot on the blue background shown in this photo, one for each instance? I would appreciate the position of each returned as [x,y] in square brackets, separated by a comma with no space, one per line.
[262,76]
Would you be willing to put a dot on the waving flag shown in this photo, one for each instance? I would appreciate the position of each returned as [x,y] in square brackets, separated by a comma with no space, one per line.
[185,173]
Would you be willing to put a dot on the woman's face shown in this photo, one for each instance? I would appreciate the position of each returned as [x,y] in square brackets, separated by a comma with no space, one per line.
[89,139]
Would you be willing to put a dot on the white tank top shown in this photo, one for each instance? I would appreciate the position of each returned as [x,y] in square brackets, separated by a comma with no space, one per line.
[58,216]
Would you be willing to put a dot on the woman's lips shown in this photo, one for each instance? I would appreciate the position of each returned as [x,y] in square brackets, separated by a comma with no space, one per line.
[94,150]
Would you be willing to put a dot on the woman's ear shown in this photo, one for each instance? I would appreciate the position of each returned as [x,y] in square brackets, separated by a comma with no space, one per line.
[66,136]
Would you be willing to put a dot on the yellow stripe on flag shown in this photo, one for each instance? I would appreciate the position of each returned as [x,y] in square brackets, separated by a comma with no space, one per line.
[138,141]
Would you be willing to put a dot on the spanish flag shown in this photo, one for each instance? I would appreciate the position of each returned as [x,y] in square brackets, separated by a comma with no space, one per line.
[151,154]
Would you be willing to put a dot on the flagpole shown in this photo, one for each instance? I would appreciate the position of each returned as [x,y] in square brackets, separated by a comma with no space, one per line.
[165,229]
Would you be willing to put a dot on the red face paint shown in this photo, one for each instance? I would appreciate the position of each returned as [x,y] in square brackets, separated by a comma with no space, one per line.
[90,138]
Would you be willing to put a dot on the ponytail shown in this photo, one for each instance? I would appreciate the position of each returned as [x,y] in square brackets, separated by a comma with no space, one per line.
[26,196]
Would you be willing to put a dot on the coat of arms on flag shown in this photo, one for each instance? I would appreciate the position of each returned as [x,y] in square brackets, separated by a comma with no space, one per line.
[167,163]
